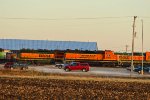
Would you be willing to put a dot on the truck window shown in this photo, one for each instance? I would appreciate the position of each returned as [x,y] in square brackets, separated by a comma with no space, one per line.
[74,64]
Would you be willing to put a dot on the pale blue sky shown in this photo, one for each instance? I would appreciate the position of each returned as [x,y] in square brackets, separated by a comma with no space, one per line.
[110,26]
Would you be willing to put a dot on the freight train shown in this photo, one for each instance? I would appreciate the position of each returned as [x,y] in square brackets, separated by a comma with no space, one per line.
[109,58]
[97,58]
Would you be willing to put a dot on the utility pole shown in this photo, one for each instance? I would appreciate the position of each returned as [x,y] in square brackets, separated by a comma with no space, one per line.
[127,48]
[142,48]
[133,36]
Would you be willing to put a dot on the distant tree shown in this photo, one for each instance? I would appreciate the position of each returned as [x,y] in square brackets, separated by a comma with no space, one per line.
[1,49]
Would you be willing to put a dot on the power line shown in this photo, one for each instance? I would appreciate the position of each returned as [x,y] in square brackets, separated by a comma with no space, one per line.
[144,16]
[77,18]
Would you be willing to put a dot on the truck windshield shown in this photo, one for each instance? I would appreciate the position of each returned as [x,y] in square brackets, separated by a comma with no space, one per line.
[74,64]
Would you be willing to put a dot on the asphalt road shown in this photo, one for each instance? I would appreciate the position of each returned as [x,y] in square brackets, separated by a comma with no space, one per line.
[93,71]
[96,71]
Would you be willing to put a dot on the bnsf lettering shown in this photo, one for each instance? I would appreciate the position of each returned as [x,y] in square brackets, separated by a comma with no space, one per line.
[87,56]
[44,55]
[124,57]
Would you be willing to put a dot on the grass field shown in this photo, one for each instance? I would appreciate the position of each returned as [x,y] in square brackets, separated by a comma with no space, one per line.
[31,85]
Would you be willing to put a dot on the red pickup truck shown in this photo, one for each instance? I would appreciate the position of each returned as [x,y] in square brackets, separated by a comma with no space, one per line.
[77,66]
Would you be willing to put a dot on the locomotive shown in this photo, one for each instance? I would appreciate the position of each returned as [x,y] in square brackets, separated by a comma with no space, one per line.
[109,58]
[97,58]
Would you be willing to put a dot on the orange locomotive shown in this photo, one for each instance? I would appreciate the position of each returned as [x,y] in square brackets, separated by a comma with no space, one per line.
[78,56]
[108,58]
[100,58]
[36,56]
[103,58]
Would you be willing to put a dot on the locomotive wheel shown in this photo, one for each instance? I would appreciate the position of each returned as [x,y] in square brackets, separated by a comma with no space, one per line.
[60,67]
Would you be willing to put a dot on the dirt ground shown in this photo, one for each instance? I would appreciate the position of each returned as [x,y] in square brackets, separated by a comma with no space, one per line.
[58,87]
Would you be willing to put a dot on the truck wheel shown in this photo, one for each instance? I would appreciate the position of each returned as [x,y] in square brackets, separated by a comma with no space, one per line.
[67,70]
[25,68]
[139,72]
[60,67]
[21,68]
[84,70]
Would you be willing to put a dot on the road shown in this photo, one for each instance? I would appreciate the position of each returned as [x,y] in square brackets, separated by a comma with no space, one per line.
[96,71]
[93,71]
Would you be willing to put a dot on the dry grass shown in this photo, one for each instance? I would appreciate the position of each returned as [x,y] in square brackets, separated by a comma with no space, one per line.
[33,85]
[36,74]
[13,88]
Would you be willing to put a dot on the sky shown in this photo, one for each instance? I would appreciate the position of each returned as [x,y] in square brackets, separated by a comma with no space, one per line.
[107,22]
